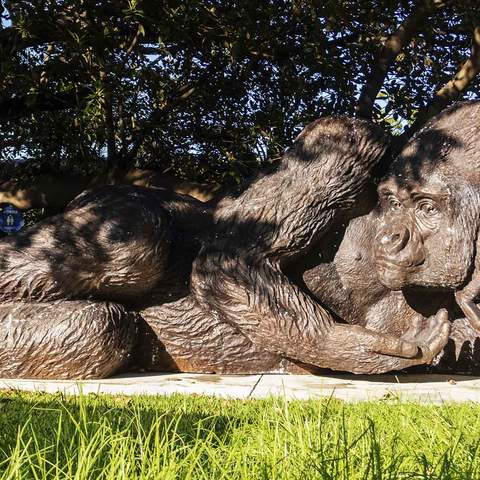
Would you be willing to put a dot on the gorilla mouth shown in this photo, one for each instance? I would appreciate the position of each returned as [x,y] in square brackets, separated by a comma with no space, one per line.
[394,275]
[398,265]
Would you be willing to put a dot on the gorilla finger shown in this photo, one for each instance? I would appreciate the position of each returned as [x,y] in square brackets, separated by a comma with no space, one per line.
[442,334]
[434,327]
[443,314]
[387,345]
[442,317]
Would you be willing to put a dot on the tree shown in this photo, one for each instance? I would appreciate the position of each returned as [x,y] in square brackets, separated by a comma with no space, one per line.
[211,90]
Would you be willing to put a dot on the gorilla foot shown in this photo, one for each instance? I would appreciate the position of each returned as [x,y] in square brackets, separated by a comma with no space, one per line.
[465,300]
[462,353]
[463,333]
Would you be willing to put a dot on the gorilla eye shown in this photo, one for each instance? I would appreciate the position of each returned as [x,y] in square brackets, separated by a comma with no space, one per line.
[428,208]
[394,204]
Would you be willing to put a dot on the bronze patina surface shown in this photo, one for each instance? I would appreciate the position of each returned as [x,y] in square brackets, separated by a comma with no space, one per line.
[300,269]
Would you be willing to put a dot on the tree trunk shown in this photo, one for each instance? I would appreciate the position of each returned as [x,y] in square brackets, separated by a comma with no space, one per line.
[387,55]
[450,92]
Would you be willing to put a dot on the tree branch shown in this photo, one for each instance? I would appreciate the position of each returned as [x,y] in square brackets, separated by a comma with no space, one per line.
[394,44]
[156,116]
[11,41]
[450,92]
[110,133]
[55,191]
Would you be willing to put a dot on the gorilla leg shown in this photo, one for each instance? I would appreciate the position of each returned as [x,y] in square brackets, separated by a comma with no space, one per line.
[180,336]
[65,339]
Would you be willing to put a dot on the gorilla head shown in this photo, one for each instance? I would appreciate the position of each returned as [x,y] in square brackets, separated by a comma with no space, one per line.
[429,208]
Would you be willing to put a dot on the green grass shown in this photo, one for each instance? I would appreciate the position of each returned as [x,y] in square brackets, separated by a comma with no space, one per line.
[104,437]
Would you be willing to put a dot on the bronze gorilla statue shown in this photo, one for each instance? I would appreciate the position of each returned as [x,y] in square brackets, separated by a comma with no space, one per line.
[417,250]
[223,289]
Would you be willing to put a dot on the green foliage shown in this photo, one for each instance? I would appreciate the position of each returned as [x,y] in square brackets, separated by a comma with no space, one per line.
[208,89]
[101,437]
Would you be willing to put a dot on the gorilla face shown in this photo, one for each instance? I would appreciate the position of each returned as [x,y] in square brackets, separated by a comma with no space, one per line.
[427,229]
[429,209]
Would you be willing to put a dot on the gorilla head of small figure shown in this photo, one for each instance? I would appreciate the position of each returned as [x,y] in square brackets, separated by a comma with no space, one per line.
[429,205]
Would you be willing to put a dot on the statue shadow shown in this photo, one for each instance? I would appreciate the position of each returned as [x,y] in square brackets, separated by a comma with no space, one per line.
[407,377]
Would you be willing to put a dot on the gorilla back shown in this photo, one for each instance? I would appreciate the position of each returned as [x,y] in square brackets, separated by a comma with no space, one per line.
[114,243]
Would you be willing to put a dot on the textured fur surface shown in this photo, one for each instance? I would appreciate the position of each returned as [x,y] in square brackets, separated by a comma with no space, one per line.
[211,285]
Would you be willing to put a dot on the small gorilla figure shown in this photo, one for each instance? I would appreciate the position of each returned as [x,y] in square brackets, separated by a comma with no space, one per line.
[424,233]
[241,312]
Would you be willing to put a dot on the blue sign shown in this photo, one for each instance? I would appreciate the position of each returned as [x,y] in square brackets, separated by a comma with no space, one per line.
[11,219]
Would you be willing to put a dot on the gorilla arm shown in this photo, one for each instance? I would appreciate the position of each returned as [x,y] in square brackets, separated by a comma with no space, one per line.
[466,296]
[238,277]
[468,328]
[466,300]
[277,316]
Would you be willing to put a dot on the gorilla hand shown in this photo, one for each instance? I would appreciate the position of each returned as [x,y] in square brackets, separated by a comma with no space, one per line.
[432,338]
[372,352]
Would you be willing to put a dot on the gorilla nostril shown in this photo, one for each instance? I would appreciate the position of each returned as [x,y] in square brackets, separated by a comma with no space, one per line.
[390,239]
[400,240]
[396,240]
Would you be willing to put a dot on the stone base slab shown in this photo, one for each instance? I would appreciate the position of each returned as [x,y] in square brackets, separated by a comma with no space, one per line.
[425,388]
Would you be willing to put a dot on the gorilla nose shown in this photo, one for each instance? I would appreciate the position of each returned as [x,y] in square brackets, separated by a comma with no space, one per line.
[393,240]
